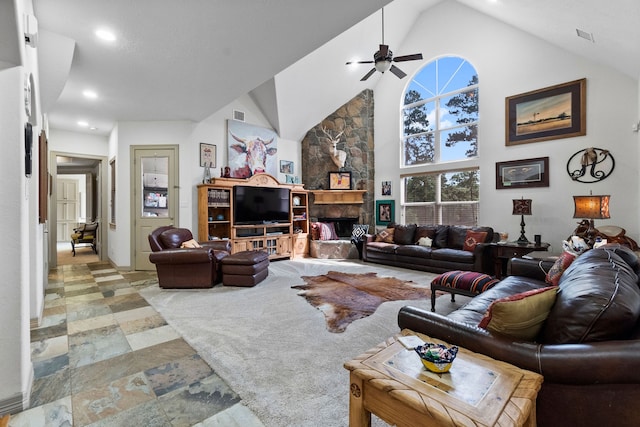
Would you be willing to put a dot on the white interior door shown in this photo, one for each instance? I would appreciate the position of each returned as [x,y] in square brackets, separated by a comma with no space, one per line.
[67,208]
[155,197]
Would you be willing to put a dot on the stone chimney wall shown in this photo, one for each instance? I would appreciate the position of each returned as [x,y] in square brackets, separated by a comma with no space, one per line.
[356,119]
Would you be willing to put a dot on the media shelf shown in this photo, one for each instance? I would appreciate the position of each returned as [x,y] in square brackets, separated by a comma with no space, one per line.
[278,239]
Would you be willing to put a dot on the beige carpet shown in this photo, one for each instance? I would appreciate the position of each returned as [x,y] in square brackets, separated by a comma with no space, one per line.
[273,348]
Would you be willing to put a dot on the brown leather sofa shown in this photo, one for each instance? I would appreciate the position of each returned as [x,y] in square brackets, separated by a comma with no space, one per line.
[588,349]
[186,267]
[445,254]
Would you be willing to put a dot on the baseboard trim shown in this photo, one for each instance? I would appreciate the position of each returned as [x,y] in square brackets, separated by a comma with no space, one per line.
[12,405]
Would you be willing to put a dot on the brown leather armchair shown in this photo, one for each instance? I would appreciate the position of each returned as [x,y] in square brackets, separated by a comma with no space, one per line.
[186,267]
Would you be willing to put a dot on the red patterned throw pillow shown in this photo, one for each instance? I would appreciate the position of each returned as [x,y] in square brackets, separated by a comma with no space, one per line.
[520,316]
[561,264]
[473,238]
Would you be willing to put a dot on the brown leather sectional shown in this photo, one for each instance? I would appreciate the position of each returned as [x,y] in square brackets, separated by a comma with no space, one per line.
[588,349]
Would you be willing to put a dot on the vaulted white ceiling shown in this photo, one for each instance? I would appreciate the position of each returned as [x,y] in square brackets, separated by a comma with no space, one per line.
[186,60]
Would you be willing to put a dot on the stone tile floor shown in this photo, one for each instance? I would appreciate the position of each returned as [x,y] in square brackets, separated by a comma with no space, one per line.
[103,356]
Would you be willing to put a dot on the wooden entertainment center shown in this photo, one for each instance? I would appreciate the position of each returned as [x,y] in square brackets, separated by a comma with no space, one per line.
[280,240]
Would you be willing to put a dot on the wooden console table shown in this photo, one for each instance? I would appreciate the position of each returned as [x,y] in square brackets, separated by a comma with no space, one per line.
[504,251]
[391,382]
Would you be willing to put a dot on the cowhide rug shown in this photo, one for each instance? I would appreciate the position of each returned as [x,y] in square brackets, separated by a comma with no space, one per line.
[345,297]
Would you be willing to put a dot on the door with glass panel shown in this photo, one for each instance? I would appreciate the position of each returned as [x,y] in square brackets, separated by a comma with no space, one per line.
[155,197]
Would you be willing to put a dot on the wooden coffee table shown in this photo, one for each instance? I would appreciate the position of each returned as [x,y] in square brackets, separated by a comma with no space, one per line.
[391,382]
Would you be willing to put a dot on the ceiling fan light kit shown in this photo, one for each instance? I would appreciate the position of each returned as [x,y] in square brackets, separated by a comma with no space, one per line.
[383,59]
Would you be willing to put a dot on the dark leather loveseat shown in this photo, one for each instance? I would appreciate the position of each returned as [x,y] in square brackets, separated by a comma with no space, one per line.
[446,253]
[588,349]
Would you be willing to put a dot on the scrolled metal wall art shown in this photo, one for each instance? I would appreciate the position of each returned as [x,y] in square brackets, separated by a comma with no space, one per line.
[590,165]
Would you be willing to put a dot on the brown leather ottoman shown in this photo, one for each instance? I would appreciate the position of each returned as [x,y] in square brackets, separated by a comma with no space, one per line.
[246,268]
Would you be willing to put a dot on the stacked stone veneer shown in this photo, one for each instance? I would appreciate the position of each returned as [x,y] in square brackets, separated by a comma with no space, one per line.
[356,119]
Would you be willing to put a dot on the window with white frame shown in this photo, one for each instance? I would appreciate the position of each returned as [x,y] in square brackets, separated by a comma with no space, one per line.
[440,130]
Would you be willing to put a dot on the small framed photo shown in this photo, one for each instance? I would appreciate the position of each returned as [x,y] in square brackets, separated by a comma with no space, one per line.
[286,166]
[522,173]
[207,155]
[386,188]
[384,212]
[290,179]
[339,180]
[550,113]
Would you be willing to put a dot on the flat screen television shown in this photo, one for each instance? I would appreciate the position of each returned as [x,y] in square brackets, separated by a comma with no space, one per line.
[260,205]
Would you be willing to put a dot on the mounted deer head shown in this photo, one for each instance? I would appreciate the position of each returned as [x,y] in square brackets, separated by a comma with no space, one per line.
[337,156]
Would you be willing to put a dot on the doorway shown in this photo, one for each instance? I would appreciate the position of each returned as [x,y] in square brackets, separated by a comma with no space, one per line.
[154,196]
[77,196]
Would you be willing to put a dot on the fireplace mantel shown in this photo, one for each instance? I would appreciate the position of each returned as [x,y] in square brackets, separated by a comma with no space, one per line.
[338,197]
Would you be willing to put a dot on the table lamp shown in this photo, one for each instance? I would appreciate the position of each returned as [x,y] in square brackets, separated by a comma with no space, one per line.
[591,207]
[522,207]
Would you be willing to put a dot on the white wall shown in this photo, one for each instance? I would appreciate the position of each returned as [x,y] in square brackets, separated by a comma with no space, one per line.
[509,62]
[213,130]
[78,143]
[22,283]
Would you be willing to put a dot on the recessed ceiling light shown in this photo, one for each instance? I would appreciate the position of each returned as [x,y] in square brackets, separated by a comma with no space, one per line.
[105,35]
[93,128]
[83,124]
[90,94]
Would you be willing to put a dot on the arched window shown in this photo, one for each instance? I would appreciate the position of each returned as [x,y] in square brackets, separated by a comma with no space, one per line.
[440,127]
[440,113]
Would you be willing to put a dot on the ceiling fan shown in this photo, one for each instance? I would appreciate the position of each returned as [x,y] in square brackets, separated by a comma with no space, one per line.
[383,59]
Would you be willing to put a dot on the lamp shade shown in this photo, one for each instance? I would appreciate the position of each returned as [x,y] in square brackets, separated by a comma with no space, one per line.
[591,207]
[521,206]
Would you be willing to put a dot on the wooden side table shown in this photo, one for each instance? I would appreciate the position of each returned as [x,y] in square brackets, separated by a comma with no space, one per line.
[391,382]
[503,252]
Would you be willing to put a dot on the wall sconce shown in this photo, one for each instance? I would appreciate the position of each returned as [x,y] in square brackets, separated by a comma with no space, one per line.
[522,207]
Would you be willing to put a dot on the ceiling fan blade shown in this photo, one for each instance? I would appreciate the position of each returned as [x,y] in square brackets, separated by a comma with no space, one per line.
[413,57]
[369,74]
[359,62]
[384,50]
[397,71]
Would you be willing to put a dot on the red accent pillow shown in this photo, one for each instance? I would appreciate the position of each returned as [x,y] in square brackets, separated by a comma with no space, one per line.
[473,238]
[561,264]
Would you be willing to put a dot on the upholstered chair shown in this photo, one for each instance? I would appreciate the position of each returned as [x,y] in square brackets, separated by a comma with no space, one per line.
[180,265]
[84,235]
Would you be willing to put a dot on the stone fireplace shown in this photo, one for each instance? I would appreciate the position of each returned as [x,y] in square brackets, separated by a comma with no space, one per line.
[355,119]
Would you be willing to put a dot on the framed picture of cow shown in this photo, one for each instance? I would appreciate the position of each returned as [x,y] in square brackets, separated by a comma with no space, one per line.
[251,150]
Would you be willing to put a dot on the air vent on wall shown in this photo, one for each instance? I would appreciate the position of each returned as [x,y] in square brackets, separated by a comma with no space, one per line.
[238,115]
[585,35]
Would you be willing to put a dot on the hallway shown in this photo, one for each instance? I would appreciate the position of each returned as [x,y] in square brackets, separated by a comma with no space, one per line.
[104,357]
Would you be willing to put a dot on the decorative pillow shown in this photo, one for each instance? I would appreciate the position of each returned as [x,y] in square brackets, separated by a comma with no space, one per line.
[466,280]
[190,244]
[561,264]
[520,316]
[404,234]
[425,241]
[425,231]
[473,238]
[385,235]
[358,231]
